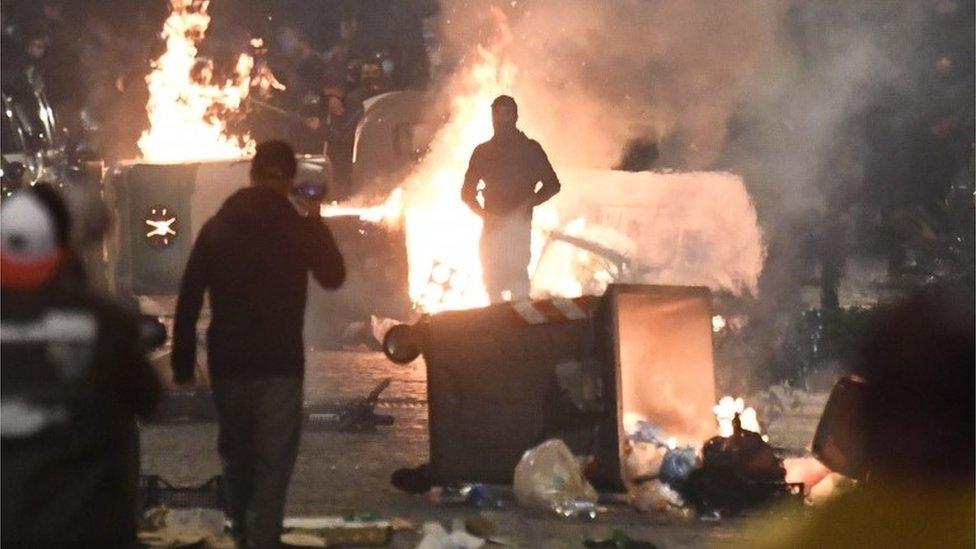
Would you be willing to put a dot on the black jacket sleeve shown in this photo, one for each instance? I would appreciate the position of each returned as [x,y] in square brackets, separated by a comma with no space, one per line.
[133,384]
[546,175]
[324,258]
[188,305]
[140,382]
[469,190]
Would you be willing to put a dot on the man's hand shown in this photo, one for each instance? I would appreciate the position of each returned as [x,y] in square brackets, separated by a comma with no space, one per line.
[312,206]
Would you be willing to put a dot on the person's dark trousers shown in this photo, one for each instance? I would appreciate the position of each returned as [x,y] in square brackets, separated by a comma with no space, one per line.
[260,427]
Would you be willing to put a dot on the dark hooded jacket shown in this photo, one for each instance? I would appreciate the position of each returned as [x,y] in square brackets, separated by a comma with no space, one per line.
[74,378]
[254,257]
[510,167]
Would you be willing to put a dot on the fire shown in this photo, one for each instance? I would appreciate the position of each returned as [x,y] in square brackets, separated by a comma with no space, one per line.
[725,412]
[605,226]
[442,233]
[388,212]
[185,105]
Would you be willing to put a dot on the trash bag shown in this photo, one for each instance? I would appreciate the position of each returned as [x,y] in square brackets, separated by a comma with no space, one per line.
[549,478]
[655,495]
[678,465]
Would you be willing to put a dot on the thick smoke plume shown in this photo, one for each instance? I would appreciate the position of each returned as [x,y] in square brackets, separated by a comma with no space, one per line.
[594,75]
[768,89]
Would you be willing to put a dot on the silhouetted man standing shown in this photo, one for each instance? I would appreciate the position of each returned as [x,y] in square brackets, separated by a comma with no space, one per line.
[254,257]
[507,177]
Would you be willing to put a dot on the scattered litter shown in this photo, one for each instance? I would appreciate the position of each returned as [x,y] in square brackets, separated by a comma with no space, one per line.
[361,530]
[436,537]
[646,431]
[297,539]
[806,470]
[357,416]
[655,495]
[831,486]
[642,460]
[367,333]
[475,495]
[738,472]
[480,526]
[166,527]
[619,540]
[677,466]
[412,481]
[400,523]
[548,477]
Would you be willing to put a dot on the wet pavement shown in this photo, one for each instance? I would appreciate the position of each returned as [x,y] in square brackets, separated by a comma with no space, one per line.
[337,473]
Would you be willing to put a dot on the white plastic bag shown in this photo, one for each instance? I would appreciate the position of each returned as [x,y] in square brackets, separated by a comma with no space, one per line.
[436,537]
[548,478]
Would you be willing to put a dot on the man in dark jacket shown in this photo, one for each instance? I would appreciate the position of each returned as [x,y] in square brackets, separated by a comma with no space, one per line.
[254,257]
[74,378]
[336,120]
[501,186]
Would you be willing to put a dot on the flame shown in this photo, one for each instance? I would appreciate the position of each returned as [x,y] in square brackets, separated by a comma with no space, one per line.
[442,233]
[388,212]
[725,411]
[718,323]
[185,107]
[650,228]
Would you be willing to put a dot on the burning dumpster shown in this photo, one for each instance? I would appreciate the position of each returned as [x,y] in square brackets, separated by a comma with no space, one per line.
[160,208]
[503,378]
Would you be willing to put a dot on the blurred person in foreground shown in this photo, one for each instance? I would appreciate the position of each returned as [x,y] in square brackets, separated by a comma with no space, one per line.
[516,176]
[74,379]
[254,257]
[919,408]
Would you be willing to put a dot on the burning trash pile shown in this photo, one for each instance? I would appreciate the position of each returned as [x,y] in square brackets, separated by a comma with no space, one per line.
[733,473]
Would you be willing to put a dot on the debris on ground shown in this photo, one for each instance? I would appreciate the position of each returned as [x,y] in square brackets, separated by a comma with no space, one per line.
[368,334]
[618,540]
[833,485]
[807,470]
[548,477]
[738,472]
[473,495]
[677,466]
[436,537]
[333,531]
[356,417]
[167,527]
[481,526]
[412,480]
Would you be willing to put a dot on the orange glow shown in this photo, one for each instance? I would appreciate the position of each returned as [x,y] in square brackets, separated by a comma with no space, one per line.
[442,233]
[185,106]
[388,212]
[605,226]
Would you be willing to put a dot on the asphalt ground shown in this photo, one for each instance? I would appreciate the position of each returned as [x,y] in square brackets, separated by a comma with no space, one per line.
[338,473]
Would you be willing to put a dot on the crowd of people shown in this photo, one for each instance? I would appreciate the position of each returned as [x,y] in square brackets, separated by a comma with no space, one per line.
[308,85]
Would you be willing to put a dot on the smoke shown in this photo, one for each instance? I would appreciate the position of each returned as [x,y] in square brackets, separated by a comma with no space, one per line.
[812,104]
[768,89]
[594,75]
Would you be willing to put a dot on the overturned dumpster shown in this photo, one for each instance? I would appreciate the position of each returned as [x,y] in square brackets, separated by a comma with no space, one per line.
[504,378]
[160,209]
